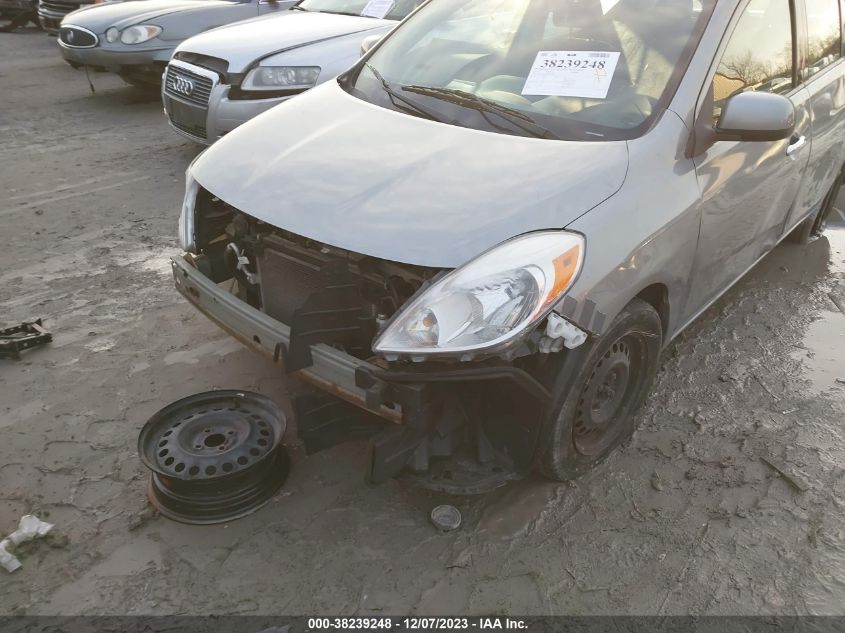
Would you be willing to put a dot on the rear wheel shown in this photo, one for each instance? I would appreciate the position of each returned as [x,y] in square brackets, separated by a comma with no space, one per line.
[594,405]
[814,226]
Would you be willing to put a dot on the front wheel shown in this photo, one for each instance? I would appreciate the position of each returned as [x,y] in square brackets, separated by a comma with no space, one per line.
[594,404]
[814,226]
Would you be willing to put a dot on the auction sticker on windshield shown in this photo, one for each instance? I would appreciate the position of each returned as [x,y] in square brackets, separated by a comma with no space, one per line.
[584,74]
[377,8]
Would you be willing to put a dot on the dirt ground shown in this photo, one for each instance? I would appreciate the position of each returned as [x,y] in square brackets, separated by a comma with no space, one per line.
[686,519]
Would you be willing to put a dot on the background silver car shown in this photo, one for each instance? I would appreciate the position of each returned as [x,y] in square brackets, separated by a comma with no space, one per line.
[220,79]
[489,228]
[51,12]
[136,39]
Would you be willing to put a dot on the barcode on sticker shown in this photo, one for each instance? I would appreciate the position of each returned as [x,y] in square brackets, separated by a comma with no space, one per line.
[599,55]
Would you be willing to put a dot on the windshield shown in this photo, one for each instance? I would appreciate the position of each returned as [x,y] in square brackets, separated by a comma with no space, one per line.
[566,69]
[386,9]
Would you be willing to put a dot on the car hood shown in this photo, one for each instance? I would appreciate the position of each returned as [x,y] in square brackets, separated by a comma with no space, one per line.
[336,169]
[244,42]
[100,17]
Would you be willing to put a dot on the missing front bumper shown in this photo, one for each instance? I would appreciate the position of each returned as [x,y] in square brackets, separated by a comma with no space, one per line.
[332,370]
[487,414]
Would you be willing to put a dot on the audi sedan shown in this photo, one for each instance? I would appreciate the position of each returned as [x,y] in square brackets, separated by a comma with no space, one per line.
[487,230]
[218,80]
[136,39]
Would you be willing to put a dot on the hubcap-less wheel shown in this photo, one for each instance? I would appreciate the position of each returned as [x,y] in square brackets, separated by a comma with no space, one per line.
[604,396]
[214,456]
[597,390]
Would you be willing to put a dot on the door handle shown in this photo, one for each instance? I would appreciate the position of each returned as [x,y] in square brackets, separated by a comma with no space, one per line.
[795,144]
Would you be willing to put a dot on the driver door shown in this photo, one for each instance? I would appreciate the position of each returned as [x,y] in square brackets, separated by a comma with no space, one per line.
[749,188]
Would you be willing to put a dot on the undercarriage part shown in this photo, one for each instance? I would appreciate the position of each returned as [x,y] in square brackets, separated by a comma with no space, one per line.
[14,340]
[323,421]
[464,475]
[391,452]
[214,456]
[465,440]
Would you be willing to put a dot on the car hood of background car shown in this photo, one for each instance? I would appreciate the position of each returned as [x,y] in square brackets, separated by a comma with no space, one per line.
[333,168]
[100,17]
[243,42]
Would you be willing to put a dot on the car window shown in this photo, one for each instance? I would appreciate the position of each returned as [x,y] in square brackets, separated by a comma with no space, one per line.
[483,24]
[759,55]
[387,9]
[580,69]
[824,35]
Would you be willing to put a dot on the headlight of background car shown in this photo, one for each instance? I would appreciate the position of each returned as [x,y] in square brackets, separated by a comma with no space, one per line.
[281,78]
[112,34]
[488,303]
[139,33]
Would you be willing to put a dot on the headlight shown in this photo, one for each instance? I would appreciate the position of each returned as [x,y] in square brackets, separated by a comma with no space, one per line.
[186,218]
[140,33]
[281,78]
[112,34]
[488,303]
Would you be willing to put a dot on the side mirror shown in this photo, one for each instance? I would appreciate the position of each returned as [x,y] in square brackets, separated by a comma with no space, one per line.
[756,116]
[368,42]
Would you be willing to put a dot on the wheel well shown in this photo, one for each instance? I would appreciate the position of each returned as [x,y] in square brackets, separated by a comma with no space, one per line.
[657,296]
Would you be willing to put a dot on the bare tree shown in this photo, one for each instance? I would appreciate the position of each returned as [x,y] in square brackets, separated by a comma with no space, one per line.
[745,68]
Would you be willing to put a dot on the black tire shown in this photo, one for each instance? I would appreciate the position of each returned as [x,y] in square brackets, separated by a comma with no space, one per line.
[594,402]
[814,226]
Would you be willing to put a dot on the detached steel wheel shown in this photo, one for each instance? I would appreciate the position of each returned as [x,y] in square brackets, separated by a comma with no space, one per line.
[594,401]
[214,456]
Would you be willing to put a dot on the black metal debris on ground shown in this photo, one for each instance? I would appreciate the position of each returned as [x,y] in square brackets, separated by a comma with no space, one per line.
[14,340]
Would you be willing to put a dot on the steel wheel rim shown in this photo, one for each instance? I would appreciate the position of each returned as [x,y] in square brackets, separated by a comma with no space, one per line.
[214,456]
[608,396]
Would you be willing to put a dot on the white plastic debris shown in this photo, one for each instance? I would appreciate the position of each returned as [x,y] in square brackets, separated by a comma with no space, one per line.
[30,527]
[561,333]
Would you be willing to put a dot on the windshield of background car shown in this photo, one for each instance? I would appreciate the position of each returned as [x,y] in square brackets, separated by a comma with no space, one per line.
[387,9]
[575,69]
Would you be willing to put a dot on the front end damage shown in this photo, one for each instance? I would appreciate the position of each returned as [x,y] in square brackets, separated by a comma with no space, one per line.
[461,427]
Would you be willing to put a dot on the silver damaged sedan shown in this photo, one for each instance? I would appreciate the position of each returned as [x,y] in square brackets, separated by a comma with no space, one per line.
[219,79]
[486,231]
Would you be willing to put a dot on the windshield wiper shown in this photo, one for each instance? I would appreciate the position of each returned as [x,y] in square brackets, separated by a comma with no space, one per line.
[395,96]
[482,105]
[297,7]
